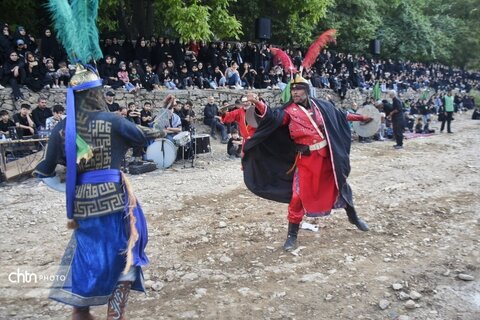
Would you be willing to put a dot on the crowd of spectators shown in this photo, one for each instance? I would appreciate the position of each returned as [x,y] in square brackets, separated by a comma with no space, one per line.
[160,63]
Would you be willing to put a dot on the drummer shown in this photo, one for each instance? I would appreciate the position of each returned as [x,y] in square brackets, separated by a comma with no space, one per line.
[174,124]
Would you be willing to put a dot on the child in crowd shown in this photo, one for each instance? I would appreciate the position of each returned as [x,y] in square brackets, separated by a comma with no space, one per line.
[150,79]
[51,75]
[234,146]
[63,74]
[134,77]
[123,76]
[58,115]
[5,123]
[426,128]
[419,125]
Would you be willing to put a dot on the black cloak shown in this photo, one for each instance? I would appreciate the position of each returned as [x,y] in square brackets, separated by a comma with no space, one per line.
[270,153]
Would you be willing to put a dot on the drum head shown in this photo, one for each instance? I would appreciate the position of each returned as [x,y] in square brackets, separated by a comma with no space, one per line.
[182,138]
[163,152]
[367,129]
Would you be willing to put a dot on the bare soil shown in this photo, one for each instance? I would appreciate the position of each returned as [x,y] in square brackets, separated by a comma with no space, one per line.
[215,248]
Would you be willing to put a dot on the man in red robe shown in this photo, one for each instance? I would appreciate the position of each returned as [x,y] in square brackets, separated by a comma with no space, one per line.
[310,138]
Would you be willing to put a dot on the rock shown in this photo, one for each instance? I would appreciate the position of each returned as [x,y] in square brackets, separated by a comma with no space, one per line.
[383,304]
[200,292]
[397,286]
[225,259]
[465,277]
[403,296]
[244,291]
[312,277]
[279,294]
[410,304]
[190,277]
[414,295]
[157,286]
[222,224]
[149,284]
[403,317]
[328,297]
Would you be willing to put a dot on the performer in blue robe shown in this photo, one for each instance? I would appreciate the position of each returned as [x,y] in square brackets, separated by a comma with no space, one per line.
[104,257]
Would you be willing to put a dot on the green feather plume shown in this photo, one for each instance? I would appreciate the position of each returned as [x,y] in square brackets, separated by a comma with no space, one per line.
[76,28]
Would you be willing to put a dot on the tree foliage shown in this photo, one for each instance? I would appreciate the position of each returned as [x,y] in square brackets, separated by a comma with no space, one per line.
[443,31]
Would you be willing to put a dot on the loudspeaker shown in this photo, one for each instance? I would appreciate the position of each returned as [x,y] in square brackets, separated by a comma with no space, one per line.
[263,28]
[376,44]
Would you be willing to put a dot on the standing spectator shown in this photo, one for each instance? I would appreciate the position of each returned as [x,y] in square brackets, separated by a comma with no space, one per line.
[142,52]
[58,115]
[41,113]
[14,74]
[109,99]
[212,118]
[397,118]
[49,47]
[6,43]
[448,109]
[23,121]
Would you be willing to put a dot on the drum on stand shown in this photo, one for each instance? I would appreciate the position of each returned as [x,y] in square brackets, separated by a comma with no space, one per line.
[182,138]
[202,143]
[163,152]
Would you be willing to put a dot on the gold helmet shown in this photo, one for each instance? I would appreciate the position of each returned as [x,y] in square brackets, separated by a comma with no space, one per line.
[83,75]
[299,82]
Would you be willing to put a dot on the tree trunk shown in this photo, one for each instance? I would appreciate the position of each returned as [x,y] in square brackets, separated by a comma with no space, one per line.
[149,18]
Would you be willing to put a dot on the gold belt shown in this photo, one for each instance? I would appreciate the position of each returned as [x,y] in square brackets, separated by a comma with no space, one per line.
[318,146]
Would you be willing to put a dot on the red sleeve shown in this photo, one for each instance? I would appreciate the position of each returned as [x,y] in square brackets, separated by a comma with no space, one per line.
[261,108]
[231,116]
[355,117]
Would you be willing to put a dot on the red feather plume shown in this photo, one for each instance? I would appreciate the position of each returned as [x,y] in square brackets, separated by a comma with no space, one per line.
[317,46]
[282,56]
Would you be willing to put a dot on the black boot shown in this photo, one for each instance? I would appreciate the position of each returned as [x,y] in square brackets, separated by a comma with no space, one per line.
[354,219]
[291,243]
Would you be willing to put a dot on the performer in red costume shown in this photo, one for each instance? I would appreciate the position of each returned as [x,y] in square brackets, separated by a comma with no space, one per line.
[244,116]
[300,154]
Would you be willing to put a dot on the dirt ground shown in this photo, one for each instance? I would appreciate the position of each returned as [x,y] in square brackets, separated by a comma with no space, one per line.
[215,248]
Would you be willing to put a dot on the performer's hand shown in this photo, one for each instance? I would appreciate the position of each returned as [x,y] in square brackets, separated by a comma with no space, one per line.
[252,97]
[367,119]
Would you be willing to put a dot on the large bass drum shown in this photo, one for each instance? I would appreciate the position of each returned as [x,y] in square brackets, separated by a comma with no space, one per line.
[163,152]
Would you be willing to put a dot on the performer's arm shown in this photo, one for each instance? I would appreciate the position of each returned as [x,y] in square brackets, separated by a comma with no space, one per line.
[260,107]
[357,117]
[231,116]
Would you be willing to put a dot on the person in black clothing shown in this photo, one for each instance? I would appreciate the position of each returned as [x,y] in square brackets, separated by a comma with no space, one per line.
[476,114]
[111,105]
[212,118]
[23,121]
[133,114]
[35,73]
[6,42]
[397,118]
[109,73]
[14,74]
[49,47]
[234,146]
[187,115]
[41,113]
[146,116]
[5,123]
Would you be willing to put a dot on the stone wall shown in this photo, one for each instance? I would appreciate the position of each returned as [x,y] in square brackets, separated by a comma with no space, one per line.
[198,97]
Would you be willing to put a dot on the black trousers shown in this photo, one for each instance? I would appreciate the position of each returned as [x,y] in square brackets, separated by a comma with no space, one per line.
[448,120]
[397,126]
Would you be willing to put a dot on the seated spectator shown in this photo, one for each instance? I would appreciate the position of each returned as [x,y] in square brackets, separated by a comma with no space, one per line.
[63,74]
[212,118]
[185,78]
[146,116]
[23,121]
[476,114]
[150,79]
[419,125]
[109,73]
[426,128]
[167,80]
[187,115]
[123,76]
[5,123]
[111,104]
[14,74]
[58,115]
[232,76]
[51,76]
[41,113]
[197,78]
[135,78]
[21,48]
[34,73]
[234,146]
[133,113]
[218,79]
[248,76]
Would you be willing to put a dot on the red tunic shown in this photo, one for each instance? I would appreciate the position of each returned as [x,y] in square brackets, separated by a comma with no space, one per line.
[315,190]
[238,115]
